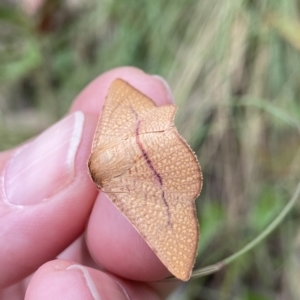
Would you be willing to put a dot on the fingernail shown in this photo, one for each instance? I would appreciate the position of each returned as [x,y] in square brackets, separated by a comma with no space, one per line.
[167,87]
[88,279]
[46,165]
[107,289]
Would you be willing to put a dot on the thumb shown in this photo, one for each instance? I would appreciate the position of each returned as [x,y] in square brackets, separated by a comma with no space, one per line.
[45,197]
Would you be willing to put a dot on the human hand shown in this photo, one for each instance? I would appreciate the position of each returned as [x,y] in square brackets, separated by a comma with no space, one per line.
[47,199]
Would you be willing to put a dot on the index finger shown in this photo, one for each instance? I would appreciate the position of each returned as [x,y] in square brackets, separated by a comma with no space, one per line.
[92,98]
[112,240]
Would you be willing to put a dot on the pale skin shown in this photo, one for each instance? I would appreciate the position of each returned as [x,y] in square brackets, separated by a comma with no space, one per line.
[47,217]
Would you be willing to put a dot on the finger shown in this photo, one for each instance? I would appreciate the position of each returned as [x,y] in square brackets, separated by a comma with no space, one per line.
[92,98]
[112,240]
[46,196]
[65,280]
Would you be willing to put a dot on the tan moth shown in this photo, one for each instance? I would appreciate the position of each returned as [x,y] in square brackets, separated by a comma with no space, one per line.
[150,174]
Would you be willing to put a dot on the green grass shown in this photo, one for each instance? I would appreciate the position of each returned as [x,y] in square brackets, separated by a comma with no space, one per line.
[234,67]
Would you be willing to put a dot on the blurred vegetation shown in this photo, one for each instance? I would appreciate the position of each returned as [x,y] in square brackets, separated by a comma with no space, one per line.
[234,67]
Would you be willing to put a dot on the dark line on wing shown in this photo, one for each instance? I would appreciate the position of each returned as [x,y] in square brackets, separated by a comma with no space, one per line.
[168,210]
[145,154]
[156,174]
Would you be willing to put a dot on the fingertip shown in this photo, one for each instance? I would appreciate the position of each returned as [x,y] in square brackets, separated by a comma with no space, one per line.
[67,280]
[91,99]
[58,280]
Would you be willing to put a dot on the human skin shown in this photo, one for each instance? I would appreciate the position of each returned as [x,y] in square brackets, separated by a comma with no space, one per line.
[60,237]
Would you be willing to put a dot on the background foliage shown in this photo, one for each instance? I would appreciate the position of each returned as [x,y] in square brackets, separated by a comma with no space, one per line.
[234,67]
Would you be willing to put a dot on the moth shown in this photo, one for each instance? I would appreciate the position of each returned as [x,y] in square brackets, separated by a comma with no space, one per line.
[149,172]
